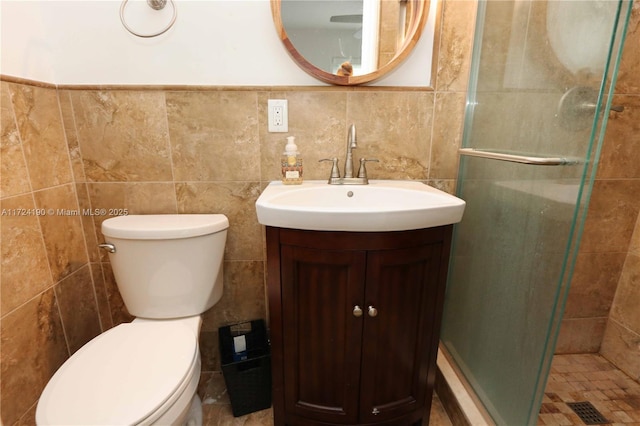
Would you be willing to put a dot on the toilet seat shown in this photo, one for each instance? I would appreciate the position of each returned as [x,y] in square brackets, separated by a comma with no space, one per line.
[130,374]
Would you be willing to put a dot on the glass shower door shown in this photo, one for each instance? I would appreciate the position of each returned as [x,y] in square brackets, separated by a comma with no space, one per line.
[541,76]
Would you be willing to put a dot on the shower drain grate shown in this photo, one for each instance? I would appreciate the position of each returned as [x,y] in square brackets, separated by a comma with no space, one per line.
[588,413]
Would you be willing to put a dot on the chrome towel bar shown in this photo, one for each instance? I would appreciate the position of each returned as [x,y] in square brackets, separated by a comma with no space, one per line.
[516,158]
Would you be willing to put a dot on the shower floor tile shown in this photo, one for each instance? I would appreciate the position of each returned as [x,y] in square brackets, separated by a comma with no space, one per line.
[589,377]
[216,407]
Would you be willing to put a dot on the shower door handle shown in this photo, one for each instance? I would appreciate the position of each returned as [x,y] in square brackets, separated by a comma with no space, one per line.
[516,158]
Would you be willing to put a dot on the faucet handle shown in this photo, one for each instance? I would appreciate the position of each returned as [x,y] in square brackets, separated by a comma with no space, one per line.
[362,171]
[335,171]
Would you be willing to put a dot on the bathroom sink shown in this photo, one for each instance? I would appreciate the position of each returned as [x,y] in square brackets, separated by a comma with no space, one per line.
[382,205]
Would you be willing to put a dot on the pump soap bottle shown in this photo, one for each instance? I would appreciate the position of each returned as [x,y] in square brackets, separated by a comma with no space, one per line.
[291,163]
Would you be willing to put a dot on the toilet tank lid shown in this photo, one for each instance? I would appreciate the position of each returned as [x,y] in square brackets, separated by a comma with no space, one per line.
[163,226]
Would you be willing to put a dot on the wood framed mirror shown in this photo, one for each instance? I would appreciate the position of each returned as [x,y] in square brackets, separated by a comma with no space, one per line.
[349,42]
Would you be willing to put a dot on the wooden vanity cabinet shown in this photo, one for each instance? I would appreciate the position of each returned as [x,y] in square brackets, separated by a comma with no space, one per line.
[355,321]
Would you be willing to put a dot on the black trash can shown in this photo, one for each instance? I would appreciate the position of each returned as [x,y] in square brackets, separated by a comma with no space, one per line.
[246,365]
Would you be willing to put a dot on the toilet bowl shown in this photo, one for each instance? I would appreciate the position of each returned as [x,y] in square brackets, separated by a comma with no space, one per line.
[146,372]
[137,373]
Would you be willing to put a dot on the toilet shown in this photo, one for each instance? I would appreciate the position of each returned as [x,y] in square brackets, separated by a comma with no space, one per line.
[168,269]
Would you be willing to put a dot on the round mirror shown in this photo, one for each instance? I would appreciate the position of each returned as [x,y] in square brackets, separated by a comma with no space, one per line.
[349,42]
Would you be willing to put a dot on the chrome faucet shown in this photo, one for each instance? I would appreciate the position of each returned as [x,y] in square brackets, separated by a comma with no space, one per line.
[351,144]
[348,178]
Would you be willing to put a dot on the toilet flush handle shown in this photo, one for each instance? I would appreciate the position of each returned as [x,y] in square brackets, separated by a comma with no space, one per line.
[108,246]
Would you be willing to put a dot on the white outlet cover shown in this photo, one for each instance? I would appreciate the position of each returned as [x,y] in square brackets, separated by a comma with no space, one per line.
[272,104]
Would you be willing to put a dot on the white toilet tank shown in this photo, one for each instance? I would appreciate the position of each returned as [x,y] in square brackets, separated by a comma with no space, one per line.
[167,266]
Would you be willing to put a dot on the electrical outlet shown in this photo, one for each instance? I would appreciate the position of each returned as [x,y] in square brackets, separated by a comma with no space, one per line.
[278,115]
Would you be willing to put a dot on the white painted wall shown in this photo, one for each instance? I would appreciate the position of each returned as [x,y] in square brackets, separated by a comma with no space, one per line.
[213,42]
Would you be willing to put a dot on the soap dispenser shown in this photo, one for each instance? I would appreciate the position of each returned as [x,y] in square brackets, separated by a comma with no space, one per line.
[291,163]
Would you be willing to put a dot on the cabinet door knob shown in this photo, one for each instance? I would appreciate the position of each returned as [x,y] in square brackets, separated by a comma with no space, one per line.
[357,311]
[373,312]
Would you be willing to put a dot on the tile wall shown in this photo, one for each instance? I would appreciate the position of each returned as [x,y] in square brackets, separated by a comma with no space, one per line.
[621,167]
[621,342]
[605,291]
[49,305]
[184,150]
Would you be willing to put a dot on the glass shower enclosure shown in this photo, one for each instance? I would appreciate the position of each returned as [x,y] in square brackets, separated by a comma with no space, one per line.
[539,95]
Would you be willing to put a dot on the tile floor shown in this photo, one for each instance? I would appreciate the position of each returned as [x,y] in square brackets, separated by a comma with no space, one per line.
[589,377]
[574,378]
[217,407]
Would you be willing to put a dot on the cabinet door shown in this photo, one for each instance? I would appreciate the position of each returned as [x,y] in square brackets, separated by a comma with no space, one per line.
[401,287]
[321,335]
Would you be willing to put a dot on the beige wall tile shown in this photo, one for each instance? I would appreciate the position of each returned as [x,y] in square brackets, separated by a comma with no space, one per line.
[593,285]
[581,335]
[132,198]
[394,127]
[626,306]
[62,230]
[214,135]
[88,227]
[620,160]
[14,178]
[36,250]
[114,199]
[620,346]
[25,270]
[620,156]
[33,348]
[494,60]
[13,171]
[447,135]
[29,418]
[634,246]
[243,299]
[446,185]
[78,308]
[613,212]
[456,43]
[43,141]
[236,200]
[317,119]
[119,313]
[123,135]
[390,33]
[628,81]
[102,297]
[69,123]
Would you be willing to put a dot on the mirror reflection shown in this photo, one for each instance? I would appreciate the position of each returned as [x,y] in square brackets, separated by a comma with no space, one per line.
[346,37]
[349,38]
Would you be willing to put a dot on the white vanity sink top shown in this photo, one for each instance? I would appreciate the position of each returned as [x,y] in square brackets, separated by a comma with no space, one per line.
[382,205]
